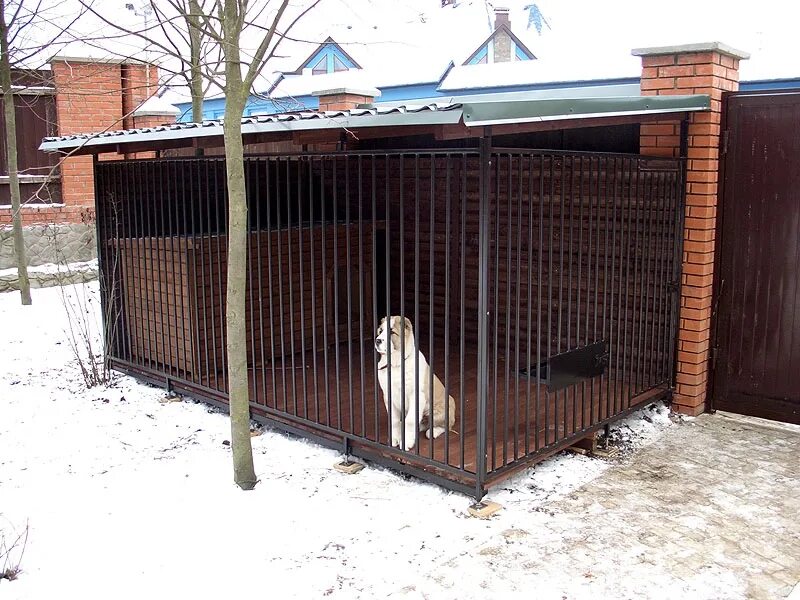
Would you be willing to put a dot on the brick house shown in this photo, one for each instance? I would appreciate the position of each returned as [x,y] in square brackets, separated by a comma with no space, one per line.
[74,95]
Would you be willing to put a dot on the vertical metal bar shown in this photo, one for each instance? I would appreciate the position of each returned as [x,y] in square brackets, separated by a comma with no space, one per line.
[614,349]
[570,395]
[560,328]
[540,251]
[431,295]
[221,295]
[626,354]
[664,277]
[677,262]
[637,283]
[462,310]
[273,231]
[166,281]
[507,357]
[208,296]
[312,234]
[610,406]
[529,307]
[518,284]
[374,246]
[348,282]
[146,233]
[361,283]
[176,235]
[587,178]
[290,258]
[649,308]
[250,198]
[495,158]
[134,317]
[483,311]
[325,292]
[598,197]
[550,306]
[301,275]
[336,332]
[281,227]
[402,250]
[448,256]
[158,284]
[259,266]
[579,306]
[417,337]
[388,280]
[611,217]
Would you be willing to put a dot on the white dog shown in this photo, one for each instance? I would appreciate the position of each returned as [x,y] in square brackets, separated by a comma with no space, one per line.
[388,345]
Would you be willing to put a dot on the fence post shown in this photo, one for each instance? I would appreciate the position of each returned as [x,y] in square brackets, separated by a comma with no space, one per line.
[483,311]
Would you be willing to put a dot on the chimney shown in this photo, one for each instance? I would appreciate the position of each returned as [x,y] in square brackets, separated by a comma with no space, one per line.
[345,98]
[502,41]
[501,18]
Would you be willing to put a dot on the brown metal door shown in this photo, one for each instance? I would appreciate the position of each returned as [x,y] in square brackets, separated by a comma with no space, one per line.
[757,342]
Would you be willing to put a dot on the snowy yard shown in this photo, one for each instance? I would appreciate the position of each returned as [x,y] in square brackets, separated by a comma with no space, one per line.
[129,495]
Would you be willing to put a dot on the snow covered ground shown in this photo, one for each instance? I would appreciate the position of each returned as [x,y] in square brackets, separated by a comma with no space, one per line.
[128,494]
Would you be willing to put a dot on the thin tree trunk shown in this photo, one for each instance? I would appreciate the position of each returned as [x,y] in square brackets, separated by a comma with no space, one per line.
[238,390]
[11,151]
[195,72]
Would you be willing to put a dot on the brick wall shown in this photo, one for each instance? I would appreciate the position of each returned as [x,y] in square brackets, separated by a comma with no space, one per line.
[710,69]
[90,97]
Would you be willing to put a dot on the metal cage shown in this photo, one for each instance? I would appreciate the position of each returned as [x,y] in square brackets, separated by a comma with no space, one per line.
[541,287]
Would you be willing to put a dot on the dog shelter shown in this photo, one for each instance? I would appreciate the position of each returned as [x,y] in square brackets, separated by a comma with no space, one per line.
[536,253]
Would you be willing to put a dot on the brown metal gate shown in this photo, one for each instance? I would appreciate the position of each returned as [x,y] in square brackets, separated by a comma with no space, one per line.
[757,333]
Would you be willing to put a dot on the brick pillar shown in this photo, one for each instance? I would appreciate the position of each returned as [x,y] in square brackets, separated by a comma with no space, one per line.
[709,69]
[88,98]
[345,98]
[139,82]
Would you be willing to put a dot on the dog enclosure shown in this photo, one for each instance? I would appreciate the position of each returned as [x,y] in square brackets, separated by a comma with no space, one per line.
[541,285]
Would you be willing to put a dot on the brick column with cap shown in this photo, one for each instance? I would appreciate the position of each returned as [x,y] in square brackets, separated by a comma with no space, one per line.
[345,98]
[709,68]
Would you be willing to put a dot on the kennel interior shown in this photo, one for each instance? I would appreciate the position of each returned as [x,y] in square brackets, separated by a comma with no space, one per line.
[541,286]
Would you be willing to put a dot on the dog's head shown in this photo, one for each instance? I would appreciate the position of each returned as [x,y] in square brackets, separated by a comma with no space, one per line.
[390,333]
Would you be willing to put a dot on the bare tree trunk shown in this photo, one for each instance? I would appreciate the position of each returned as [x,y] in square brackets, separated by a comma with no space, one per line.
[195,72]
[238,390]
[13,168]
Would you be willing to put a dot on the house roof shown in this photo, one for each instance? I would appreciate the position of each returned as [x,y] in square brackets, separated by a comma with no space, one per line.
[473,114]
[503,28]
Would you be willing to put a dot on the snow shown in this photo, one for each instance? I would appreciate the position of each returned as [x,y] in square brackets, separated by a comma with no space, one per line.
[128,491]
[88,266]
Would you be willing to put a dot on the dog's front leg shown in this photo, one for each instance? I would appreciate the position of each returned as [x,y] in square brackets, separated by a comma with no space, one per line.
[411,423]
[397,427]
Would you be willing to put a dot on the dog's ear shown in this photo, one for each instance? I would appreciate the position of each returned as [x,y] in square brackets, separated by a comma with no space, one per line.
[382,322]
[407,324]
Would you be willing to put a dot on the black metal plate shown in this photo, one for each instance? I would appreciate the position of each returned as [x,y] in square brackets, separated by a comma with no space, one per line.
[569,368]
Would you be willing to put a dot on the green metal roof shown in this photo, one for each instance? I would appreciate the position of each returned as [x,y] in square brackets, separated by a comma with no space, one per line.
[527,111]
[471,114]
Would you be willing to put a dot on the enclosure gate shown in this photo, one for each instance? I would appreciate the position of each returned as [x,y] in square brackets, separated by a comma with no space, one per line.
[541,287]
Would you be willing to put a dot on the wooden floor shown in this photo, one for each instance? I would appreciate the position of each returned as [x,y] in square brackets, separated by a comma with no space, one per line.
[339,392]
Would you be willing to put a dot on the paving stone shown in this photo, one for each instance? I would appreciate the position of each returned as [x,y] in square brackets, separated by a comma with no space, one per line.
[709,510]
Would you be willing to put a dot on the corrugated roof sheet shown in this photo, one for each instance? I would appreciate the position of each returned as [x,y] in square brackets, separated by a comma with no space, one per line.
[471,114]
[382,116]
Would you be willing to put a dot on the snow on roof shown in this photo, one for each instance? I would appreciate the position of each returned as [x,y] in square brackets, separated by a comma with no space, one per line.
[155,106]
[534,72]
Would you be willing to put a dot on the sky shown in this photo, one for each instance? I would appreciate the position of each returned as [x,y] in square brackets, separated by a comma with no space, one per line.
[414,40]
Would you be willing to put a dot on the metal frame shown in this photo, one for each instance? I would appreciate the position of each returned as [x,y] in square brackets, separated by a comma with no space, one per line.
[503,258]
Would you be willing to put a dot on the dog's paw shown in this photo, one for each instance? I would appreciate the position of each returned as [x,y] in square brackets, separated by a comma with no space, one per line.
[437,431]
